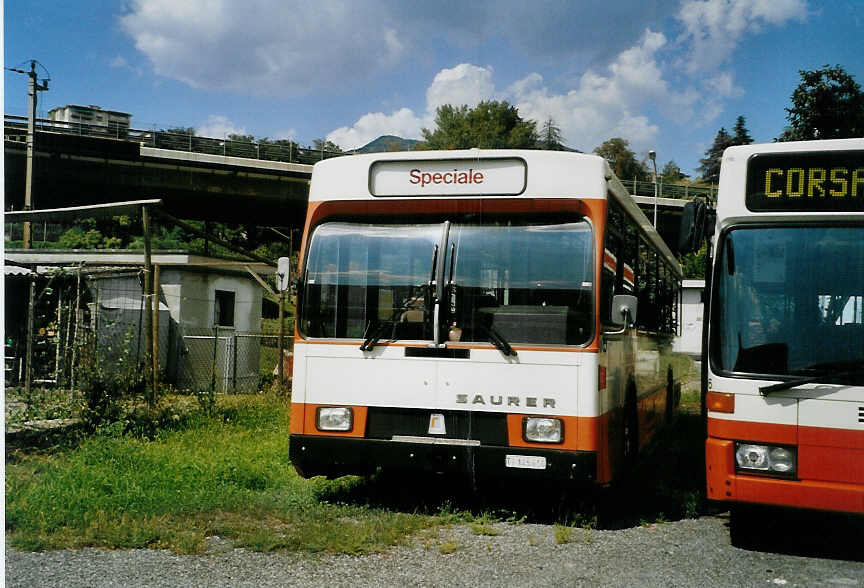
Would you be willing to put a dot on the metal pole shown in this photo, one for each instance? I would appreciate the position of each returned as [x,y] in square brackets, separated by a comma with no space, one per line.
[148,298]
[279,366]
[652,155]
[75,334]
[28,372]
[213,365]
[234,363]
[155,330]
[59,338]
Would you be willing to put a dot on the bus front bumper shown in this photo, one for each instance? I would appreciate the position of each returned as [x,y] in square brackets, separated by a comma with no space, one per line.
[726,485]
[339,456]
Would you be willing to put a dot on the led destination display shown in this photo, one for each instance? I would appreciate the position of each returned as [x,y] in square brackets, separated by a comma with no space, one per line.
[806,182]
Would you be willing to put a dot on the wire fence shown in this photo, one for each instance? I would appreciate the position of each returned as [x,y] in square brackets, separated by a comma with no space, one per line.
[82,319]
[666,190]
[285,151]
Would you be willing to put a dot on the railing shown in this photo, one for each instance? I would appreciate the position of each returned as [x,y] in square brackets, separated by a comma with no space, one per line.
[16,129]
[677,191]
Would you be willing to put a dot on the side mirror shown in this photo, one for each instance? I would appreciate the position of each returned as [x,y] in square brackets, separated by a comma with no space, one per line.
[283,272]
[692,230]
[624,310]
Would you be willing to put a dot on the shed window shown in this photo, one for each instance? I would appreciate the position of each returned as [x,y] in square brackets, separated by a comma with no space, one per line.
[224,309]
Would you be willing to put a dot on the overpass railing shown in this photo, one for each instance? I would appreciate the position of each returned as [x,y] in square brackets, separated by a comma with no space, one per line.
[665,190]
[288,152]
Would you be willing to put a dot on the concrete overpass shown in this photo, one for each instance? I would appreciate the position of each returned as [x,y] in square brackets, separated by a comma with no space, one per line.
[201,178]
[73,169]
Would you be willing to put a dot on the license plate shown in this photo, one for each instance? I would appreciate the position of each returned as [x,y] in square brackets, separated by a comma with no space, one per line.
[528,462]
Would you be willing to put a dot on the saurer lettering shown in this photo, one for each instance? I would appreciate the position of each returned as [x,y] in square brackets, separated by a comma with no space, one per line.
[498,400]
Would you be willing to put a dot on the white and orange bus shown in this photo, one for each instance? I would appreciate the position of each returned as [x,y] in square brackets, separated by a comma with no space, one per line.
[785,348]
[475,312]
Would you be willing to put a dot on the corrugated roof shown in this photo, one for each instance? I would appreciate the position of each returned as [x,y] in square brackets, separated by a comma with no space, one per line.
[16,270]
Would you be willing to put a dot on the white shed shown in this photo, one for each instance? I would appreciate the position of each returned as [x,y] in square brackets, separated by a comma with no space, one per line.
[692,312]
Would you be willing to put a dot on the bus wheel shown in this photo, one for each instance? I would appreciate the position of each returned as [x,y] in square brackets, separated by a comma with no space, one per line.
[631,429]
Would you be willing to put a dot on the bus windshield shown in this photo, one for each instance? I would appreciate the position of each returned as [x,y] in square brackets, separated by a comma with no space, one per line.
[790,301]
[528,280]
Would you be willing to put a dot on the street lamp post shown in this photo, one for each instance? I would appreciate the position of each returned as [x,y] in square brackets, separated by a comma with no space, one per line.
[652,155]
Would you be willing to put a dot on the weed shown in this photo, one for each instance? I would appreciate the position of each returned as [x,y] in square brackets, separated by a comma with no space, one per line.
[448,548]
[483,526]
[483,529]
[691,505]
[563,534]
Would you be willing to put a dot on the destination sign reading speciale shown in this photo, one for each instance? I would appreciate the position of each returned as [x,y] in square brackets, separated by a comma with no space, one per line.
[825,181]
[505,176]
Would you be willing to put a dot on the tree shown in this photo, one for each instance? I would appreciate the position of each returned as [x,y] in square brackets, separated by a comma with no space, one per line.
[623,161]
[827,104]
[671,173]
[710,166]
[489,125]
[180,130]
[550,137]
[742,135]
[323,145]
[693,264]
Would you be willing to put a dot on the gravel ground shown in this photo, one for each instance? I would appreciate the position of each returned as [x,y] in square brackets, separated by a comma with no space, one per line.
[684,553]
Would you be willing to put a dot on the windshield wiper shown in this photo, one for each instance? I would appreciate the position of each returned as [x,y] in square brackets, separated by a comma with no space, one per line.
[498,340]
[825,372]
[374,332]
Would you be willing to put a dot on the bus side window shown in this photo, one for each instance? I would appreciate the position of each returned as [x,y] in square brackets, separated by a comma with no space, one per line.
[609,275]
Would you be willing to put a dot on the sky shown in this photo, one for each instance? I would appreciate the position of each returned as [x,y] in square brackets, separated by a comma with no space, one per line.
[663,74]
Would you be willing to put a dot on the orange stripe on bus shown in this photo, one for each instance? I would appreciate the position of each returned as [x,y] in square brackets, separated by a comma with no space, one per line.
[590,348]
[831,464]
[748,431]
[829,437]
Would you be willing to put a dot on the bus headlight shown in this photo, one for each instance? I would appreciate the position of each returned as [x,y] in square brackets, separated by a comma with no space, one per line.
[334,418]
[771,459]
[542,430]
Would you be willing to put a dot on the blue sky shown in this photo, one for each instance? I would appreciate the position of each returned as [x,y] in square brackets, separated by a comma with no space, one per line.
[663,74]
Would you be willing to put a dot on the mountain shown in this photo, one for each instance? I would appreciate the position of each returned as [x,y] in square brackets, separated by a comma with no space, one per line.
[388,143]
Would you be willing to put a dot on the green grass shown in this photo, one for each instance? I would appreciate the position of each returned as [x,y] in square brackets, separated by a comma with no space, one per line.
[226,475]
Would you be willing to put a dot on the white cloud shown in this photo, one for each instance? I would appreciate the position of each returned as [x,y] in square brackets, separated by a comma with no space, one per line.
[402,123]
[264,46]
[218,126]
[464,84]
[713,28]
[604,105]
[723,85]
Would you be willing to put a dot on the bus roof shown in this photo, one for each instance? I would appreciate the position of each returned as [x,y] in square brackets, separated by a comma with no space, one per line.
[506,174]
[469,173]
[733,204]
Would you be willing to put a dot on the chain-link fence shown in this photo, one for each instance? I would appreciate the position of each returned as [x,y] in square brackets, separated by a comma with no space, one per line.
[106,313]
[226,361]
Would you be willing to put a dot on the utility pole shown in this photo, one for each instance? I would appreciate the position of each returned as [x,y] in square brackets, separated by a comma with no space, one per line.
[33,88]
[652,155]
